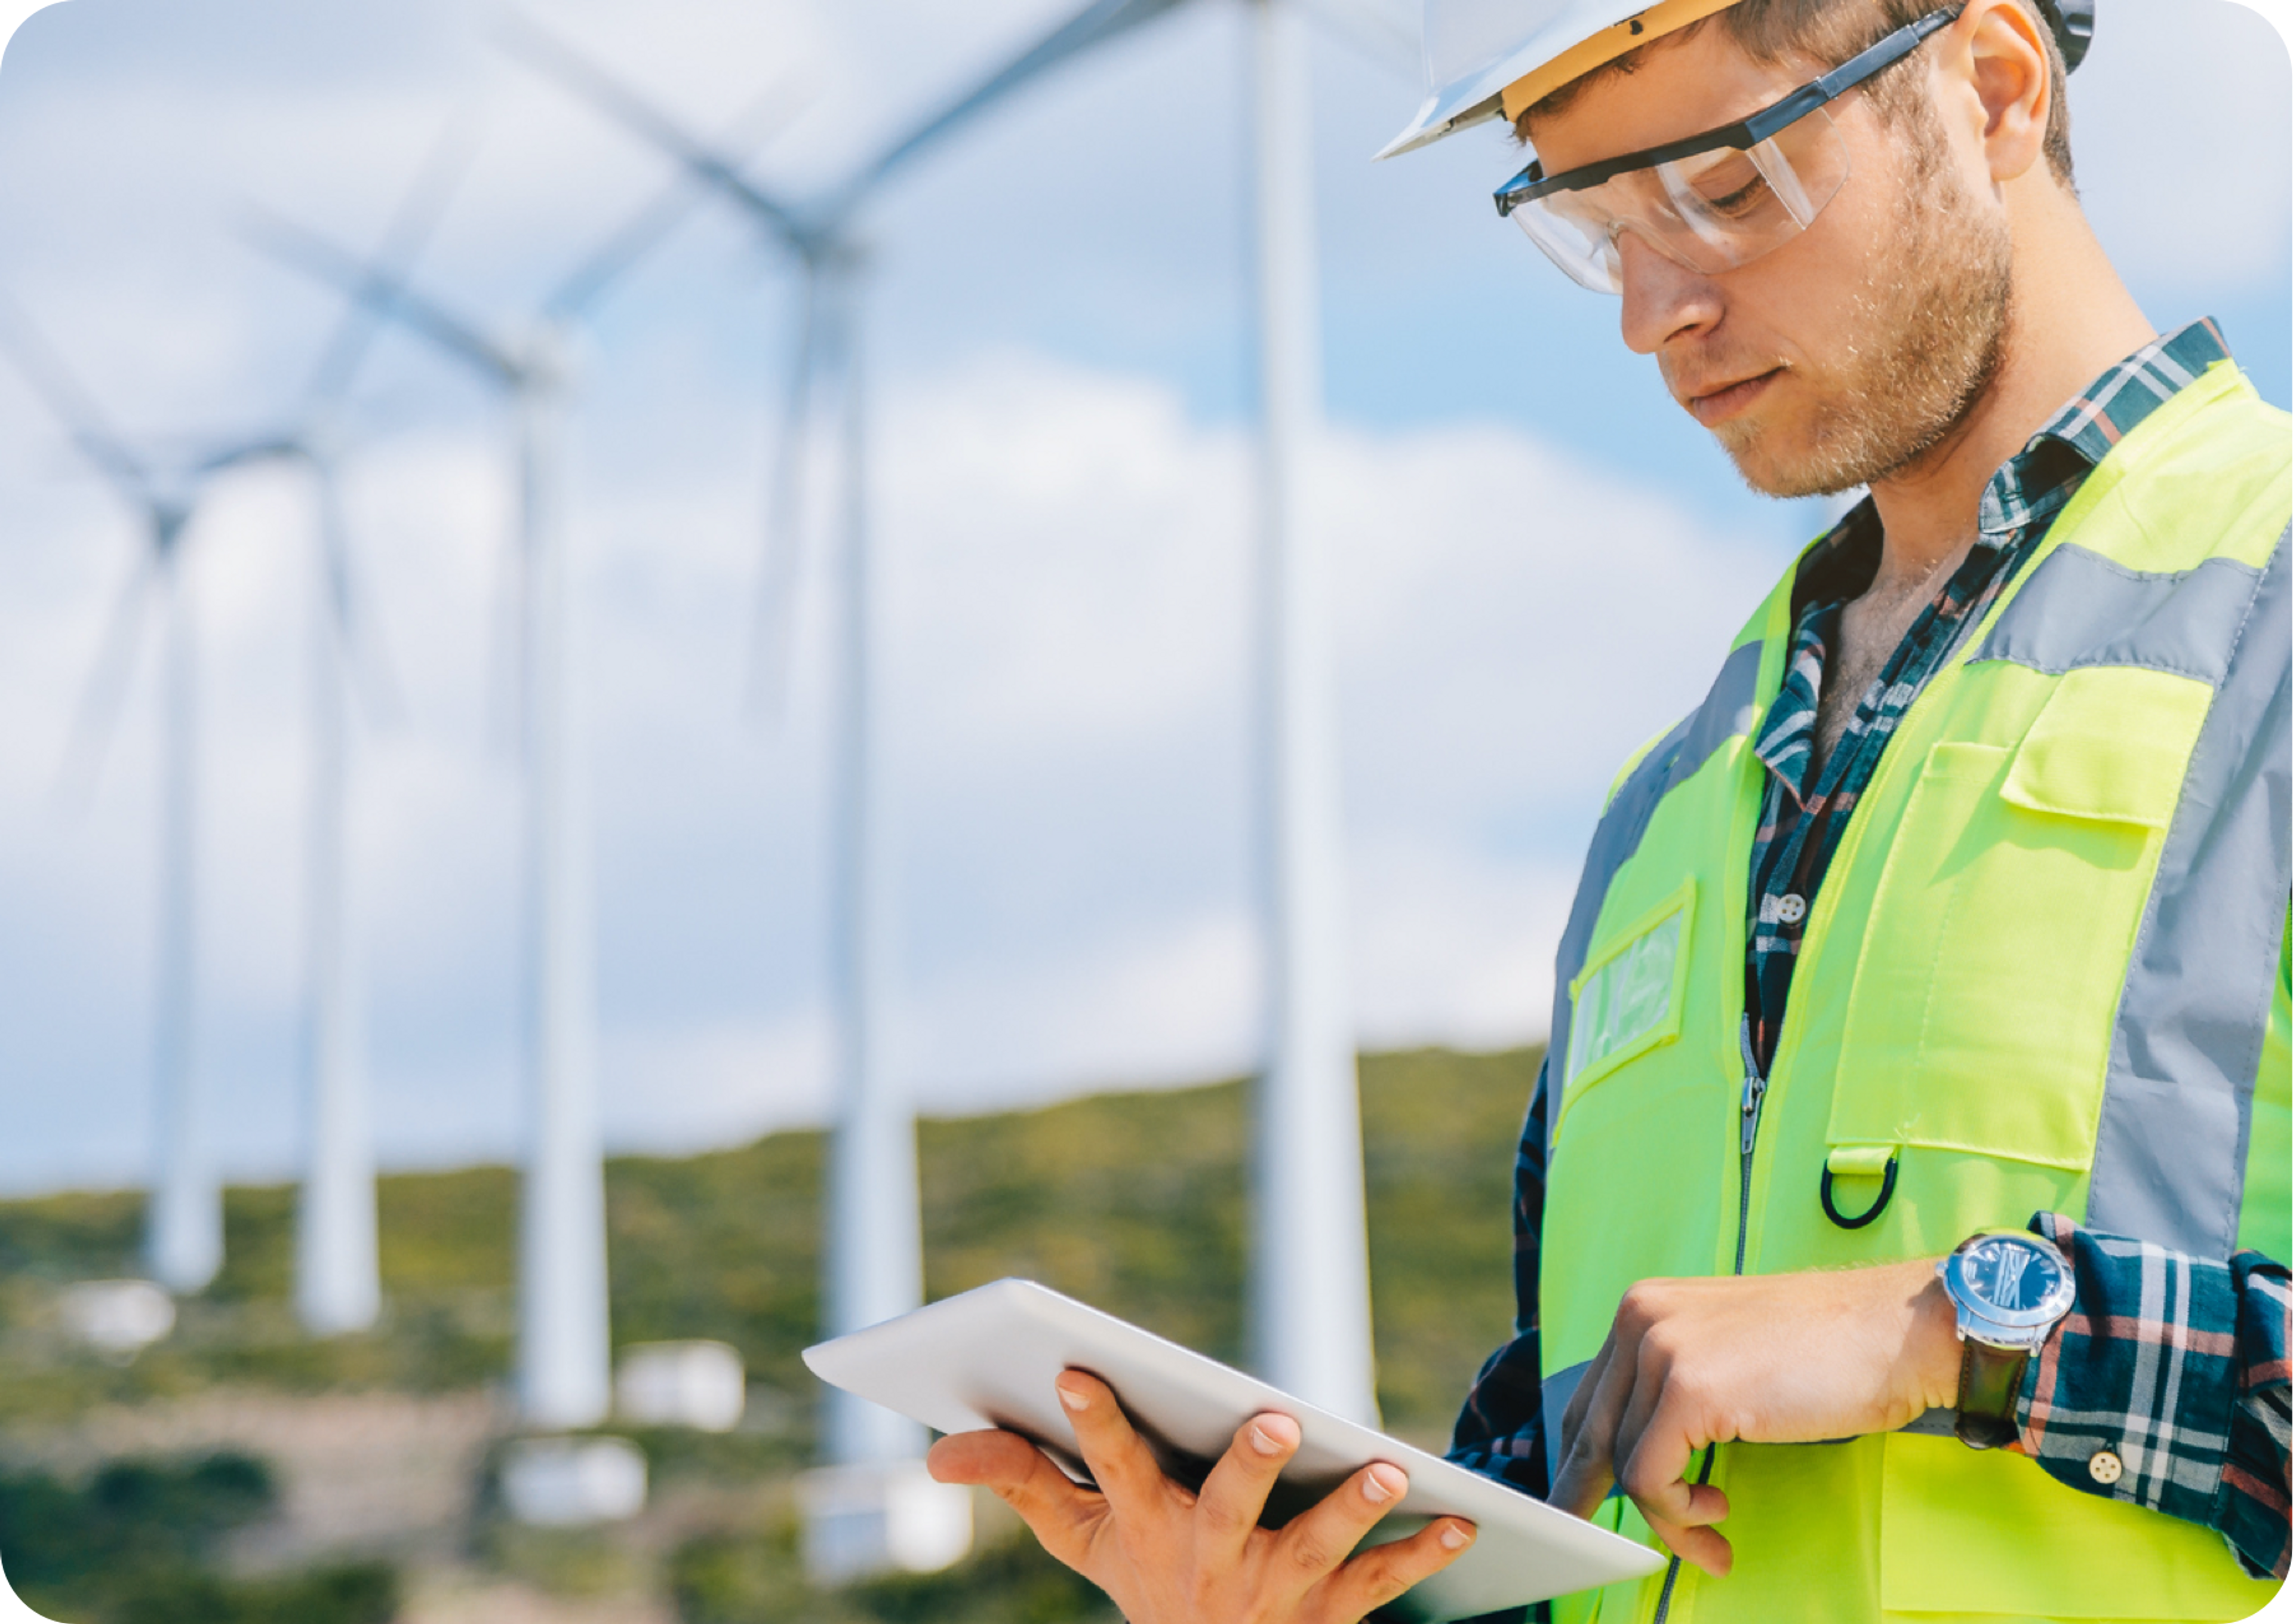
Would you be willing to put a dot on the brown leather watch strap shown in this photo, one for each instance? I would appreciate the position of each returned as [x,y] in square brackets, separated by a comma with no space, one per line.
[1989,1380]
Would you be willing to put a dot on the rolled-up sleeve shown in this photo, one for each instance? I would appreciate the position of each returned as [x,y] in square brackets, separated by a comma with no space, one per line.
[2166,1388]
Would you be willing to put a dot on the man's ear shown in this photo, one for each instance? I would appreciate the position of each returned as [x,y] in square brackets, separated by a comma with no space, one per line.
[2012,80]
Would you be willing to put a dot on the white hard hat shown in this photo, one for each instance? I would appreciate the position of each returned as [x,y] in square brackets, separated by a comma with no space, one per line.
[1475,50]
[1487,58]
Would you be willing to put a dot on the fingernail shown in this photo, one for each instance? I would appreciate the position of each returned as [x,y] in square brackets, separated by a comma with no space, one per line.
[1454,1538]
[1070,1397]
[1271,1435]
[1383,1484]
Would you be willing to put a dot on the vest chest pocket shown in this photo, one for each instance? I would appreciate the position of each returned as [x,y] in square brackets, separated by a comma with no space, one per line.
[1988,981]
[1628,997]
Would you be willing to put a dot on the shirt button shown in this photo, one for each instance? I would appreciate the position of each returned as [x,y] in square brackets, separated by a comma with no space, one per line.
[1791,910]
[2105,1468]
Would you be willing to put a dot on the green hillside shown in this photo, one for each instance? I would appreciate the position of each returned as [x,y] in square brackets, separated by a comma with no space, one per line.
[1134,1202]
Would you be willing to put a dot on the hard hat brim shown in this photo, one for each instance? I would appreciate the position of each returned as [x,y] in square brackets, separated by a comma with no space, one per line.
[1584,37]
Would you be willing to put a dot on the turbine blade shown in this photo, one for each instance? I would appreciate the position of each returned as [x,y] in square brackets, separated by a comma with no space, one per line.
[71,405]
[386,294]
[1096,23]
[97,718]
[619,254]
[409,232]
[545,52]
[772,641]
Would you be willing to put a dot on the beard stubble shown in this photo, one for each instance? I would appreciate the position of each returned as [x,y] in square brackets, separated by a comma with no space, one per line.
[1929,329]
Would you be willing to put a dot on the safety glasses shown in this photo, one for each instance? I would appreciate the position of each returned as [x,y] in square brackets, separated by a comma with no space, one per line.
[1711,202]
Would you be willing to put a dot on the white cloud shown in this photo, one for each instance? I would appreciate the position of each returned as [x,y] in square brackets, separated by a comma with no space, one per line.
[1066,561]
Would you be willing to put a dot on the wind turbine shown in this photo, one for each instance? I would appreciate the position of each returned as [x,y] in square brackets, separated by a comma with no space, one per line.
[564,1375]
[183,1227]
[337,1268]
[874,1233]
[338,1286]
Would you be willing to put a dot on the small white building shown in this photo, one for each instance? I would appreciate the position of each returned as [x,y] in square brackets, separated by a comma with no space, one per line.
[700,1385]
[864,1520]
[570,1483]
[118,1317]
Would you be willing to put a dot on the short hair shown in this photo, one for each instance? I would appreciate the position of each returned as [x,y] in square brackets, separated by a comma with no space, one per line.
[1776,31]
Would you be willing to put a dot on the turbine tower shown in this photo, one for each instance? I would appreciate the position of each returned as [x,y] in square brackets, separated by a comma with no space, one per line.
[565,1347]
[1309,1267]
[874,1242]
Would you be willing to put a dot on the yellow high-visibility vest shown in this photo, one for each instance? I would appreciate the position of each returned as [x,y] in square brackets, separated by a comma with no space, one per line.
[2046,971]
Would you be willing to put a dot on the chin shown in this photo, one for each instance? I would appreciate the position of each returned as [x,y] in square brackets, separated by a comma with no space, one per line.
[1786,473]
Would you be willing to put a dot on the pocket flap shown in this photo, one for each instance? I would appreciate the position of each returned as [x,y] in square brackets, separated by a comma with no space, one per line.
[2111,744]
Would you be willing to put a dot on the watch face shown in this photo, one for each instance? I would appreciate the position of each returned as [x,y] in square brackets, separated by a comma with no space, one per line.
[2017,1279]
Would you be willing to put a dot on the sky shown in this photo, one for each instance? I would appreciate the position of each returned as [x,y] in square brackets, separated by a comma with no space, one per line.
[1536,559]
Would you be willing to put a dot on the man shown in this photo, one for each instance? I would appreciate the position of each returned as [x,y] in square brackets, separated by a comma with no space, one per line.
[1963,898]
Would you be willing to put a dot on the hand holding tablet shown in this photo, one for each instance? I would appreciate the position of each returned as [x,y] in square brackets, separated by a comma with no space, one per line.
[1168,1554]
[1145,1469]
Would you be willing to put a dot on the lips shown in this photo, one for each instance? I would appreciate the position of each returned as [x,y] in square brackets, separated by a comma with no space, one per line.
[1713,407]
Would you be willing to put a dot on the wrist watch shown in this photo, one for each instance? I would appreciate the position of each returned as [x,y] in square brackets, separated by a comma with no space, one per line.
[2011,1289]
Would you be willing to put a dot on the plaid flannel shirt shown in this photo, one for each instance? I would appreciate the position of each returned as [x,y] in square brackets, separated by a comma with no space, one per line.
[2176,1365]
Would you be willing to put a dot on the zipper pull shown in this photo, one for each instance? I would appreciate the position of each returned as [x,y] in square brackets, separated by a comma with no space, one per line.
[1755,1088]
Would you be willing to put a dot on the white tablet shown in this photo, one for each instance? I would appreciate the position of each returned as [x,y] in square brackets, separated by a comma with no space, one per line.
[987,1358]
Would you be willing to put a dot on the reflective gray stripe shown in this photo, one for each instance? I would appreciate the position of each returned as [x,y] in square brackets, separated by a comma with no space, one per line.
[2169,1160]
[1554,1394]
[1726,712]
[2079,609]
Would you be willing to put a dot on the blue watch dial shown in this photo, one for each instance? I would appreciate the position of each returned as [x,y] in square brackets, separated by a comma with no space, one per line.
[2013,1280]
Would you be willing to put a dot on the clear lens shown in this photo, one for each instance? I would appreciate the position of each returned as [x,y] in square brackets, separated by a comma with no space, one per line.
[1711,213]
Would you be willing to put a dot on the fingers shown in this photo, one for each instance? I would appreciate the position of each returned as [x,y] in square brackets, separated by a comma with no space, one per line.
[1233,1495]
[1317,1540]
[1061,1513]
[1587,1470]
[1652,1380]
[1381,1574]
[1655,1474]
[1121,1465]
[1704,1547]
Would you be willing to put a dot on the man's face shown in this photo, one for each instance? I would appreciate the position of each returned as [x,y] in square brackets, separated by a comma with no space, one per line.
[1845,355]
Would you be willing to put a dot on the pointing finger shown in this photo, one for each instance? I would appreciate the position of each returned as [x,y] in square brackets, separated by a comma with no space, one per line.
[1587,1470]
[1572,1418]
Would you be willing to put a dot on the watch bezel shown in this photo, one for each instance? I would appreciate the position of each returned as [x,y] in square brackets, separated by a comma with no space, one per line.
[2060,1294]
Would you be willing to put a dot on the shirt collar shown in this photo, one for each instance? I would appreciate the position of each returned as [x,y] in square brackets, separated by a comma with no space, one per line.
[2078,437]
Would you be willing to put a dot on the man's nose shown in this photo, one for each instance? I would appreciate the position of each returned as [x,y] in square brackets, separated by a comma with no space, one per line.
[1663,298]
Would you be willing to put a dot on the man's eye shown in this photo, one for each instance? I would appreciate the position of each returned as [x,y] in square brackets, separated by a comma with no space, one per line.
[1742,201]
[1732,191]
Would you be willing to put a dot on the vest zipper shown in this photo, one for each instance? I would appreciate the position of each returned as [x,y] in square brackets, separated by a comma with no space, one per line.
[1755,1097]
